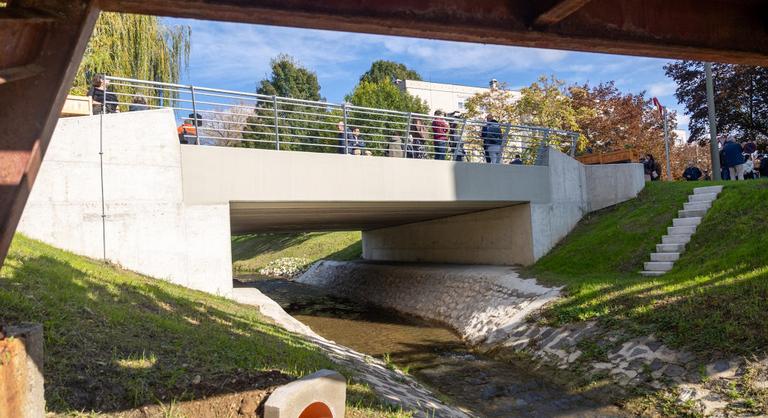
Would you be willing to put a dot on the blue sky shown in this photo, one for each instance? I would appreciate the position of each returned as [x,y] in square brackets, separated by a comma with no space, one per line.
[236,56]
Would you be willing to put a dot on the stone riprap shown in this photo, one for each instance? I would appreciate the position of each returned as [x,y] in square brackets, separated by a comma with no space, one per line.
[494,308]
[392,386]
[479,302]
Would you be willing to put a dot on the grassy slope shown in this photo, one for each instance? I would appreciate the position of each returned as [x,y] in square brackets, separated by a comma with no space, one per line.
[254,251]
[715,298]
[115,339]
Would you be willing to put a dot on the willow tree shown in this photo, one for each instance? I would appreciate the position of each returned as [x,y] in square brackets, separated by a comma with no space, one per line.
[134,46]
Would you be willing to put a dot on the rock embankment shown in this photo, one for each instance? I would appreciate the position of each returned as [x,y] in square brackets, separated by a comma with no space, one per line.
[479,302]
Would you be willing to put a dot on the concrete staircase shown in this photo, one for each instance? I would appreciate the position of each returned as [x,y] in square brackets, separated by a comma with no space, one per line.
[679,234]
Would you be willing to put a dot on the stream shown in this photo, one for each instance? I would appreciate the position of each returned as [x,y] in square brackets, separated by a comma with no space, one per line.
[433,354]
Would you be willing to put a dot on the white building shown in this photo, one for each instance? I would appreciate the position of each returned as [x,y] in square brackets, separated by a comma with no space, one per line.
[446,97]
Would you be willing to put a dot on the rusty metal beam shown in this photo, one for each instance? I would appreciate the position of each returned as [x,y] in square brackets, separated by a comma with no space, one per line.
[716,30]
[559,11]
[31,104]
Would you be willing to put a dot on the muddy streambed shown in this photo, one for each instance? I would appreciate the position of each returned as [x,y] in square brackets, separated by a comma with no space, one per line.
[433,354]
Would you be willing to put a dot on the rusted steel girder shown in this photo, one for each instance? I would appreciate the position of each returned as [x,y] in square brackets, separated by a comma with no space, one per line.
[715,30]
[44,53]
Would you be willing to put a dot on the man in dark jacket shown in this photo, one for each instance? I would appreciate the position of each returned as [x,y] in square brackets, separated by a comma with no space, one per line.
[491,134]
[734,159]
[692,173]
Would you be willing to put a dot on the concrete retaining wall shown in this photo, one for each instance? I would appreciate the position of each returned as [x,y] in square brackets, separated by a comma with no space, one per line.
[476,301]
[612,183]
[149,227]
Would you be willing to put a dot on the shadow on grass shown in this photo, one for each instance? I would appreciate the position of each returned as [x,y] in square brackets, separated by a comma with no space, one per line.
[115,340]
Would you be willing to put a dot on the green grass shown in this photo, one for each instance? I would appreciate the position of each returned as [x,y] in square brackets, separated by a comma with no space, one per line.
[714,300]
[116,340]
[254,251]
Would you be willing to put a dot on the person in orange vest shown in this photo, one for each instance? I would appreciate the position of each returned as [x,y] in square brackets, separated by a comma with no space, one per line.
[188,131]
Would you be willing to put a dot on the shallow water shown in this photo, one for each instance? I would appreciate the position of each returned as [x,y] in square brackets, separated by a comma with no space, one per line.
[433,354]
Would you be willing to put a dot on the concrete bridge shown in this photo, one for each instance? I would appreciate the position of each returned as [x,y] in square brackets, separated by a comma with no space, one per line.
[168,210]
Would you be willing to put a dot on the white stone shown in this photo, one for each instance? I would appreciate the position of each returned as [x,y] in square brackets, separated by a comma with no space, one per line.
[693,221]
[709,189]
[665,256]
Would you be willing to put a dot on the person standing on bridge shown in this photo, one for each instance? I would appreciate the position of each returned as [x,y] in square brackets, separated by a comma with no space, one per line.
[99,94]
[439,134]
[417,136]
[491,135]
[344,138]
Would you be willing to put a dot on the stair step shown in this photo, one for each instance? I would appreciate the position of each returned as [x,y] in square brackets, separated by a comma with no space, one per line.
[708,189]
[675,239]
[665,256]
[652,273]
[697,205]
[694,213]
[658,265]
[681,230]
[693,221]
[702,197]
[670,248]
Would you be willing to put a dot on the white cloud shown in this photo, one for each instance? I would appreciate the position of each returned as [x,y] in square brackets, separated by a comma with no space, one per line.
[663,89]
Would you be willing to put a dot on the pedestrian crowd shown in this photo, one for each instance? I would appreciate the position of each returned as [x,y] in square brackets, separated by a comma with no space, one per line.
[737,162]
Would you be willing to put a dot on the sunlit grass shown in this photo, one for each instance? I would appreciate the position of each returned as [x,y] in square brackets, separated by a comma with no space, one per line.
[115,339]
[254,251]
[713,300]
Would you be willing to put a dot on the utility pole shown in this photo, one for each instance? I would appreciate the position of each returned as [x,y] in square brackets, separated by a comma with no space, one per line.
[666,143]
[663,113]
[712,123]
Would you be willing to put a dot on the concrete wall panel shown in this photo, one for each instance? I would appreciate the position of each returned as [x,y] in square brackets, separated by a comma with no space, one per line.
[613,183]
[148,228]
[497,236]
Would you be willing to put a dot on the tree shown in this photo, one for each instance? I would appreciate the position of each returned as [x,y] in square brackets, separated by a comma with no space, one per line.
[387,72]
[376,89]
[546,102]
[134,46]
[499,102]
[385,95]
[290,79]
[741,99]
[300,126]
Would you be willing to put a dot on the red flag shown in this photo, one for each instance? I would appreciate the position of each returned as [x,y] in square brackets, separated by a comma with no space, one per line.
[659,106]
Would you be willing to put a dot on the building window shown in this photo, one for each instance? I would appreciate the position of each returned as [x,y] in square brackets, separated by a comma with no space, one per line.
[461,104]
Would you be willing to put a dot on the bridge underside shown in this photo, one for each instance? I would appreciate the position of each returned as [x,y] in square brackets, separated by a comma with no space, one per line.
[251,217]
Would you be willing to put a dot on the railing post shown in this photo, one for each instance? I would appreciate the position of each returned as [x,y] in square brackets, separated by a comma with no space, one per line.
[277,126]
[574,143]
[504,142]
[345,130]
[407,136]
[460,142]
[194,115]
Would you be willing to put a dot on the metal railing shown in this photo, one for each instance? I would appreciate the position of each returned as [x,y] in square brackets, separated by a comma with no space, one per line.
[230,118]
